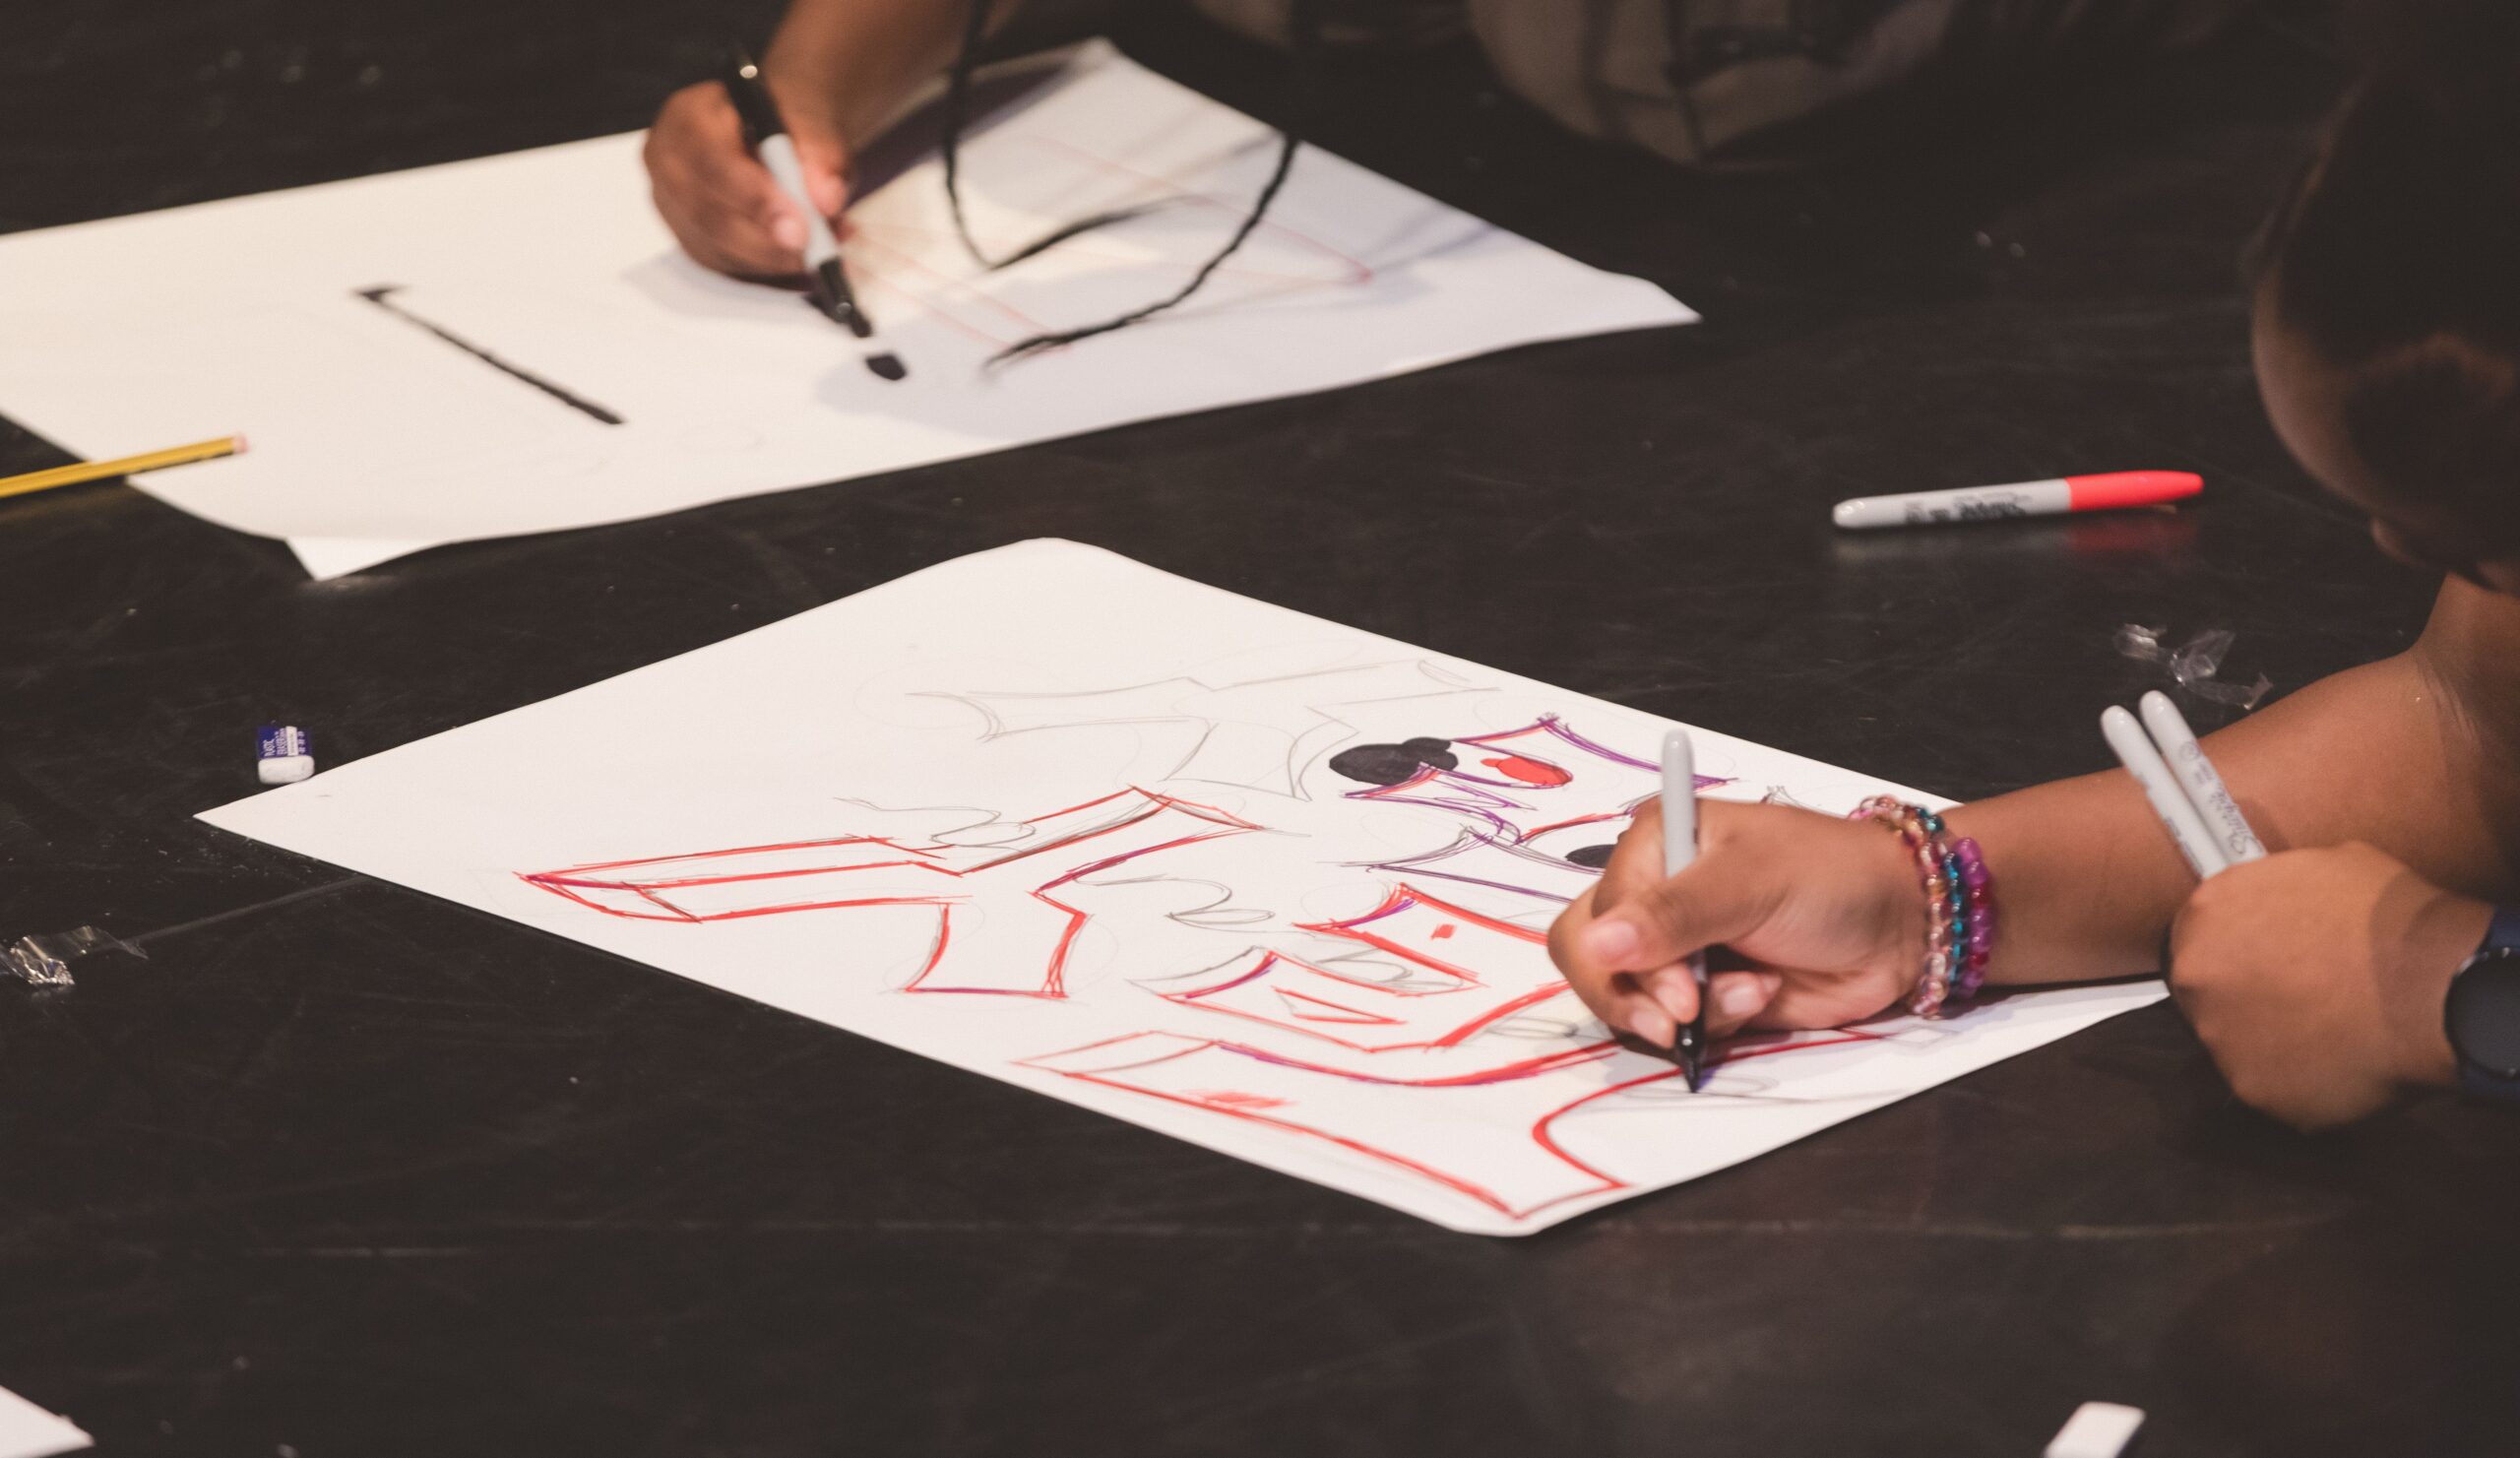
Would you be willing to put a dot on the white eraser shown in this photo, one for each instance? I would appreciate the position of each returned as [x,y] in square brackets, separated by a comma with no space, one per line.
[282,755]
[2097,1430]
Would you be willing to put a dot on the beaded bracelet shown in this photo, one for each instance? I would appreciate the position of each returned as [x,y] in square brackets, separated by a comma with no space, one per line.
[1960,903]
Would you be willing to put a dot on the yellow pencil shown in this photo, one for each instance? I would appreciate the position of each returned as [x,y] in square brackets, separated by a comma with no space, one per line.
[97,471]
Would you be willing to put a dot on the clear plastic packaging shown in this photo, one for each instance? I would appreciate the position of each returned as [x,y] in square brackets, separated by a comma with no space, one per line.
[2193,664]
[44,961]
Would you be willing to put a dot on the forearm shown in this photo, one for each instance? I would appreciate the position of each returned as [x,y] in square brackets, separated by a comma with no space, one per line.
[2086,879]
[2390,754]
[863,58]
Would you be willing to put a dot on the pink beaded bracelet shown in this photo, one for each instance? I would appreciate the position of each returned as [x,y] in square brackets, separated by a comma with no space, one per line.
[1960,903]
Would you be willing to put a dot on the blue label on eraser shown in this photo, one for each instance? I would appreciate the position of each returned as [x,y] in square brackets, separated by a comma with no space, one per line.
[278,742]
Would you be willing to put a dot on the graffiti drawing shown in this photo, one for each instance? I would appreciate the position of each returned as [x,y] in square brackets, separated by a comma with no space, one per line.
[1232,875]
[1020,946]
[1442,1015]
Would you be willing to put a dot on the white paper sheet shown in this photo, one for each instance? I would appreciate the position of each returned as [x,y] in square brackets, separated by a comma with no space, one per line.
[373,438]
[1053,817]
[29,1431]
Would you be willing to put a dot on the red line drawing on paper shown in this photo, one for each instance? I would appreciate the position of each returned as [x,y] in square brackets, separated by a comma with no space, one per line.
[1425,1034]
[889,276]
[1308,1008]
[1488,971]
[1021,948]
[1419,1135]
[1483,857]
[1435,1005]
[1542,778]
[1419,1037]
[1543,801]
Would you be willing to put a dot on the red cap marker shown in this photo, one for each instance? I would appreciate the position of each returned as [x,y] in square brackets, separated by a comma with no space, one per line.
[2048,498]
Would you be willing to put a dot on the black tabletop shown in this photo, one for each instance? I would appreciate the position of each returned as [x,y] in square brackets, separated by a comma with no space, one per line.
[341,1170]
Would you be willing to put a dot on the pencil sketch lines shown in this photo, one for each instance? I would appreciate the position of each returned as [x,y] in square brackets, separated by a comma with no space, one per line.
[1463,974]
[1255,733]
[1545,804]
[1486,859]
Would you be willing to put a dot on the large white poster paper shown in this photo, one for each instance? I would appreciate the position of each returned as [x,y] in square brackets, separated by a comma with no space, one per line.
[343,327]
[29,1431]
[1204,864]
[1271,885]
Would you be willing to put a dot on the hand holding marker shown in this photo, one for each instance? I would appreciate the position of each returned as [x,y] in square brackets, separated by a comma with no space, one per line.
[1680,849]
[826,281]
[2181,785]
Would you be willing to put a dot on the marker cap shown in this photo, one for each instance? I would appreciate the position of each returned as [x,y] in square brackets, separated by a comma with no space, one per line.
[754,106]
[2121,489]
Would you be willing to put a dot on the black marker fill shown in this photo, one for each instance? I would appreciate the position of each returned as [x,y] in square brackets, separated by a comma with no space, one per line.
[884,364]
[1390,764]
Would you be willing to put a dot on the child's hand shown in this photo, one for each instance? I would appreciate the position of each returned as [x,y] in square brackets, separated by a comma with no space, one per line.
[2317,980]
[723,205]
[1828,914]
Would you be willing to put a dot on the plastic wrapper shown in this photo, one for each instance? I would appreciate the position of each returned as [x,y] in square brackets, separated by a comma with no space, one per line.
[2194,663]
[44,961]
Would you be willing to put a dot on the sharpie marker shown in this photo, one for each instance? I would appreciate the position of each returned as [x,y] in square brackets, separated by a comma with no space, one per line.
[2021,499]
[827,281]
[2143,760]
[2197,775]
[1679,850]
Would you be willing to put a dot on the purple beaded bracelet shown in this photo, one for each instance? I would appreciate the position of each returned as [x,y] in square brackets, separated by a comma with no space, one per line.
[1980,884]
[1960,903]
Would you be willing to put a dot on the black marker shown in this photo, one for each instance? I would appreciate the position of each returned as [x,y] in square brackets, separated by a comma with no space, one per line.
[1680,849]
[827,285]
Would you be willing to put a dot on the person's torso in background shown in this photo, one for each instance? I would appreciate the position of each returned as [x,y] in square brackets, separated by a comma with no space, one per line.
[1746,83]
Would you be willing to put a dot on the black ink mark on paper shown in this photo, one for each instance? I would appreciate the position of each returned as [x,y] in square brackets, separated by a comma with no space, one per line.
[1389,764]
[381,297]
[883,364]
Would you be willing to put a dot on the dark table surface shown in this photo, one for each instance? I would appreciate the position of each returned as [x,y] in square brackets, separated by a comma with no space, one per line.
[343,1170]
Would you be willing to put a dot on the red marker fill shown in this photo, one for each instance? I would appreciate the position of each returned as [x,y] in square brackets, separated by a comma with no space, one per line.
[2048,498]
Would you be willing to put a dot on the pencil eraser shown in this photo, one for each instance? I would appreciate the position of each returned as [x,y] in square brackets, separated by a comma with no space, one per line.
[2097,1430]
[282,755]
